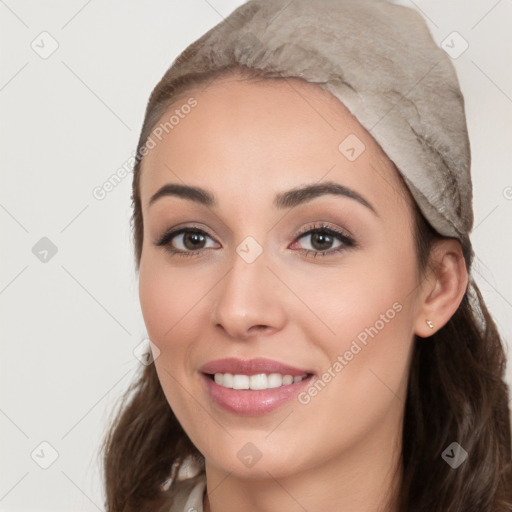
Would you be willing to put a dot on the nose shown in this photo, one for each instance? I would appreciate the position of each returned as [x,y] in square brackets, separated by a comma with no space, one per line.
[249,300]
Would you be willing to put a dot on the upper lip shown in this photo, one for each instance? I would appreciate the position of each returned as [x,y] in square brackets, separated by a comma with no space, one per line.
[251,367]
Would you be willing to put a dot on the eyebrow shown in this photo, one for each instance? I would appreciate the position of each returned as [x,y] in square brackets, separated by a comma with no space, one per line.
[282,200]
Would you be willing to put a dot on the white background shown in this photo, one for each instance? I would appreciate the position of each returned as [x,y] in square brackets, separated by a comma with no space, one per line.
[69,326]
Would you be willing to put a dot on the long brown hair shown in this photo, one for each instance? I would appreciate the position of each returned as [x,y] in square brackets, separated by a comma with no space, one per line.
[456,393]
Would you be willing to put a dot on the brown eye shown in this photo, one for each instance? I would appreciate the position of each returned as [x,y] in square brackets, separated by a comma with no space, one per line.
[184,241]
[321,240]
[193,240]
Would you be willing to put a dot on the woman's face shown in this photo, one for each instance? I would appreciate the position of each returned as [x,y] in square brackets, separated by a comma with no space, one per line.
[323,282]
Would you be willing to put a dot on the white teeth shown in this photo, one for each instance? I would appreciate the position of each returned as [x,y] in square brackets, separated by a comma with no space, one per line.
[240,382]
[227,380]
[274,380]
[287,380]
[256,382]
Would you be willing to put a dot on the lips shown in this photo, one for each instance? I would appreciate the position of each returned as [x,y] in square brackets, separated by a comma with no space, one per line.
[260,399]
[252,367]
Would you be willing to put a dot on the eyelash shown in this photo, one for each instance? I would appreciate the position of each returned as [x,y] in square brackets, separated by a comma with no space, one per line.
[347,241]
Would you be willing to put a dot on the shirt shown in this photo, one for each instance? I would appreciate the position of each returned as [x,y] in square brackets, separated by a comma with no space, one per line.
[189,495]
[189,489]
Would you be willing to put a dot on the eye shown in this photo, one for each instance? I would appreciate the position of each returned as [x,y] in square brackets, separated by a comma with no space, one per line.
[185,241]
[321,239]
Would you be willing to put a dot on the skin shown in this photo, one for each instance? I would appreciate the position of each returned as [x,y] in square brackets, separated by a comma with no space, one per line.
[245,142]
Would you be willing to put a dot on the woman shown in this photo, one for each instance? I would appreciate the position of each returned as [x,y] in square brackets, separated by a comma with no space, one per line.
[302,210]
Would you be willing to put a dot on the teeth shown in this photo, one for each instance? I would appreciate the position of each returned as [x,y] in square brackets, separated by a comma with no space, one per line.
[240,382]
[256,382]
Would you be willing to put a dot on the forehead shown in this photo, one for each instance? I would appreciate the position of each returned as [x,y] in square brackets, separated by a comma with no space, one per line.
[263,136]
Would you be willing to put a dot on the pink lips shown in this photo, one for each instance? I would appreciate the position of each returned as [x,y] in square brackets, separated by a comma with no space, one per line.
[250,402]
[251,367]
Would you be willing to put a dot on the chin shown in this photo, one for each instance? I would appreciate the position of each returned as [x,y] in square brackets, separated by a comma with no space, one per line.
[255,461]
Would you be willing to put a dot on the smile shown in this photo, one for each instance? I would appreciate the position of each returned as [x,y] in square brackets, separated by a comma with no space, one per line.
[253,402]
[256,382]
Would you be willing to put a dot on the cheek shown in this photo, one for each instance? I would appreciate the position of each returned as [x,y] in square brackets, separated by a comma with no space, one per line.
[367,311]
[370,311]
[155,295]
[169,299]
[368,292]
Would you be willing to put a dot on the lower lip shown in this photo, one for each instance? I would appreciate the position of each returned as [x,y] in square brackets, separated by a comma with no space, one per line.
[250,402]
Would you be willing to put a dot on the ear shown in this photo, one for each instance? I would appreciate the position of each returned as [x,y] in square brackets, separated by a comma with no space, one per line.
[443,287]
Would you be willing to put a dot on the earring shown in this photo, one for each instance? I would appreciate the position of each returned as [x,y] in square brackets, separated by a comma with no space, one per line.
[430,324]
